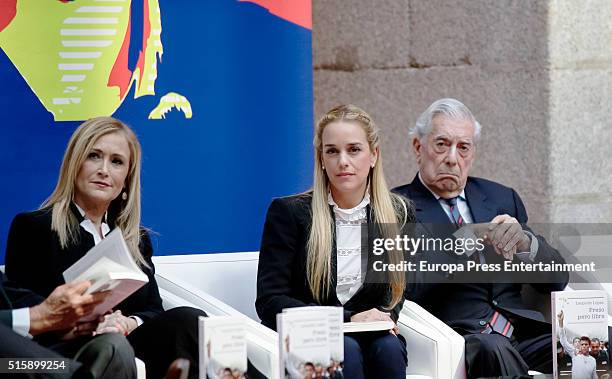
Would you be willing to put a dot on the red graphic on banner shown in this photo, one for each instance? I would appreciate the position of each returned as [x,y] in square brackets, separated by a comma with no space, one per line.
[296,11]
[145,36]
[8,10]
[120,74]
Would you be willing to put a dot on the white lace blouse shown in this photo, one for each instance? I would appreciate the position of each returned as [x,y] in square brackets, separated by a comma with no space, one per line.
[348,247]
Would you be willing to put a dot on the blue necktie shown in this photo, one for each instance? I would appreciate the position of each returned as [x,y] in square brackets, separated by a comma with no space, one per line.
[458,220]
[454,210]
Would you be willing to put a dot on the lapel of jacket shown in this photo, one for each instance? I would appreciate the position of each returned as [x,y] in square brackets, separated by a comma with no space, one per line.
[480,207]
[5,302]
[482,211]
[334,261]
[427,208]
[86,239]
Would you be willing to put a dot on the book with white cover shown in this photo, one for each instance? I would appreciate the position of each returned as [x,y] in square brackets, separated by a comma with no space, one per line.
[223,347]
[580,326]
[303,339]
[109,266]
[368,326]
[336,335]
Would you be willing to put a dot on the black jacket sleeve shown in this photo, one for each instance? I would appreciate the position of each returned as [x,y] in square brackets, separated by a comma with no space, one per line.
[276,257]
[12,297]
[27,251]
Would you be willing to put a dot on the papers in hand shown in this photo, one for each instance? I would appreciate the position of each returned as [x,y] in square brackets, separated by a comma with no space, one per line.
[472,232]
[109,266]
[368,326]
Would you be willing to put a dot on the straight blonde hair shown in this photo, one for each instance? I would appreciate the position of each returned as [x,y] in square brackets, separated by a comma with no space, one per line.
[389,210]
[63,221]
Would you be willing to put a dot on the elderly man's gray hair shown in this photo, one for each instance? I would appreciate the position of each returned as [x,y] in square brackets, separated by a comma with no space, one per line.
[450,108]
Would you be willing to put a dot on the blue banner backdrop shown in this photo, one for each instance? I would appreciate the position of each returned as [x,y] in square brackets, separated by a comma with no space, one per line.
[234,85]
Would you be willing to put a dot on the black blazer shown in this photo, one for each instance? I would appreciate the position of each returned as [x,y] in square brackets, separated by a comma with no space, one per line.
[12,297]
[469,306]
[281,274]
[35,260]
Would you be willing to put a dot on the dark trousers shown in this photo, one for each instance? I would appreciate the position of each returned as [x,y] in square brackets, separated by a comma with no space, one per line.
[493,355]
[488,355]
[374,355]
[105,356]
[170,335]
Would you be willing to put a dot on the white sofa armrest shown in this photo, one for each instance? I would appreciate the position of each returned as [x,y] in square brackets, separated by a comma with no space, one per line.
[437,350]
[262,343]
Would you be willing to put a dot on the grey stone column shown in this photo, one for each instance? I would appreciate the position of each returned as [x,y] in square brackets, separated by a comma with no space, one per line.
[537,75]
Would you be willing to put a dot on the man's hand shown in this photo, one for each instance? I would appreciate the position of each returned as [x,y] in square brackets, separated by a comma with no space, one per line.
[506,236]
[560,317]
[64,307]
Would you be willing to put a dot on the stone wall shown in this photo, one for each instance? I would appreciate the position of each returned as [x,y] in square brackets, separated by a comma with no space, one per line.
[536,74]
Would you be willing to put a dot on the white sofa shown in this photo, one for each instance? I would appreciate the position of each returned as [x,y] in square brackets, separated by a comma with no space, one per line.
[226,284]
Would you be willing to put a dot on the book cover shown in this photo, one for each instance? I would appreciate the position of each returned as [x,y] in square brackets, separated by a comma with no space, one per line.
[223,347]
[308,346]
[336,338]
[580,334]
[110,267]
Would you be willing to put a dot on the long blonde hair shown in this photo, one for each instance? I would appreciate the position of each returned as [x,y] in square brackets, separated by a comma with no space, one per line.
[63,221]
[389,209]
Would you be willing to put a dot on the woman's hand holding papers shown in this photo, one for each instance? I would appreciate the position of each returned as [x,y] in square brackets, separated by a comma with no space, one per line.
[116,323]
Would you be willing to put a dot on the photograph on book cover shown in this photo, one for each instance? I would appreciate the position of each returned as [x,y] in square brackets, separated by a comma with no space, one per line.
[580,343]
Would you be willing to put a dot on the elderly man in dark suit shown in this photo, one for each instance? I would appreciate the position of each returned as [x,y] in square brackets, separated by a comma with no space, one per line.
[502,336]
[53,323]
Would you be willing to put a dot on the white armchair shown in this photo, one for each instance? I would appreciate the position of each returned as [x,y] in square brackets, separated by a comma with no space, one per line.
[434,349]
[226,284]
[262,345]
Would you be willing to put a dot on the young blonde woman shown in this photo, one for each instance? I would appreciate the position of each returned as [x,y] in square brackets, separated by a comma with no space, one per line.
[311,246]
[99,189]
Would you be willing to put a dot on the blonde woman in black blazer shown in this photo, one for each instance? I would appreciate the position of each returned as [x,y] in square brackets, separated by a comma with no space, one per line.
[99,189]
[300,251]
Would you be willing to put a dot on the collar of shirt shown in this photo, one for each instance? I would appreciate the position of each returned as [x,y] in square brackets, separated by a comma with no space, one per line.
[462,204]
[89,226]
[352,214]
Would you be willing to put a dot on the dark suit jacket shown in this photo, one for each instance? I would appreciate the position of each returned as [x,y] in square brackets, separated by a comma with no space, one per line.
[35,260]
[467,307]
[12,297]
[281,275]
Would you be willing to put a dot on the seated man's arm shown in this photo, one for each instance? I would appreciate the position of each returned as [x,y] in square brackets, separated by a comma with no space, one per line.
[16,302]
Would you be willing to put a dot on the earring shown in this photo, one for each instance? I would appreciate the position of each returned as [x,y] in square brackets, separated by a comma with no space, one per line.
[124,196]
[323,167]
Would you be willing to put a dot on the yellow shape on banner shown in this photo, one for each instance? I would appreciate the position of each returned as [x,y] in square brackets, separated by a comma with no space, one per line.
[169,101]
[73,55]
